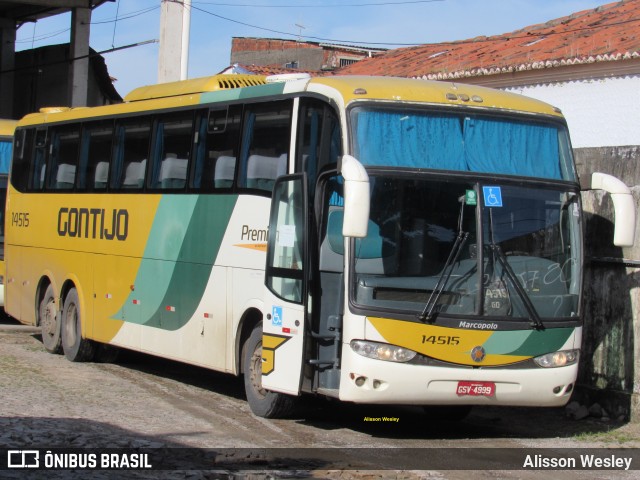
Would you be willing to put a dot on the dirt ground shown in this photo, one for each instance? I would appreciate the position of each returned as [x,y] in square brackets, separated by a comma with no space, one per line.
[144,403]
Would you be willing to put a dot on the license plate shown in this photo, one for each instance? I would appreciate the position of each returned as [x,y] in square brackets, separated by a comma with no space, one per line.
[476,389]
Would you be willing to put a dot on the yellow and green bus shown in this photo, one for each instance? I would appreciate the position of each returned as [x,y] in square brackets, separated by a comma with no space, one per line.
[373,240]
[6,140]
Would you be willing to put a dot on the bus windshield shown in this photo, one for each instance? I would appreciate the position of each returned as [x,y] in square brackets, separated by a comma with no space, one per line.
[461,247]
[462,141]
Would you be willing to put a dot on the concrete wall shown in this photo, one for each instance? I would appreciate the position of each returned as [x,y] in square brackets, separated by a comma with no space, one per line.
[307,59]
[309,55]
[600,112]
[603,117]
[610,363]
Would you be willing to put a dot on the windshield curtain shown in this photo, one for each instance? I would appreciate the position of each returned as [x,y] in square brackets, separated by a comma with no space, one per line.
[460,142]
[476,241]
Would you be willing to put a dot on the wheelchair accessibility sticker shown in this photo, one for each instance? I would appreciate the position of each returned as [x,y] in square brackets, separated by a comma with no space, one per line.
[276,316]
[492,196]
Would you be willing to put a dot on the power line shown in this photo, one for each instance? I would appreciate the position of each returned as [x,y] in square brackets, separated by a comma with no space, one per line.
[42,36]
[115,24]
[127,16]
[89,55]
[340,5]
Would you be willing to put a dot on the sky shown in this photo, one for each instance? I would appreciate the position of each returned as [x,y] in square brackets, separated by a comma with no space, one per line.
[369,23]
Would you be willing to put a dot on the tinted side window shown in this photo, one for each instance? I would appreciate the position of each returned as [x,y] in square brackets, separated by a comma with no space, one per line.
[38,165]
[95,155]
[319,139]
[130,154]
[63,162]
[217,156]
[22,156]
[172,149]
[266,139]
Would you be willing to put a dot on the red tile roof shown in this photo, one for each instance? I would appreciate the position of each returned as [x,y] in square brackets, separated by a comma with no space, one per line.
[608,33]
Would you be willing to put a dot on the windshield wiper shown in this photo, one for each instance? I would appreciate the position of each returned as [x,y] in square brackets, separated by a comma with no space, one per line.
[531,309]
[429,311]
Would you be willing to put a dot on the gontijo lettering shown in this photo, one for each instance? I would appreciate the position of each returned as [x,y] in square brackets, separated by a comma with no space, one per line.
[93,223]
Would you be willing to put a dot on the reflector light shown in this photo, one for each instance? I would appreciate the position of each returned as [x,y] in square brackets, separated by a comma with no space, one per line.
[169,308]
[136,302]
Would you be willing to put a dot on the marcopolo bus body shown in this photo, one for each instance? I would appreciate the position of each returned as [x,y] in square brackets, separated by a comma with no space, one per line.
[375,240]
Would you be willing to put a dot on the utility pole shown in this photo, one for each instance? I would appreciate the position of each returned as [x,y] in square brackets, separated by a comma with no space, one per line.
[173,55]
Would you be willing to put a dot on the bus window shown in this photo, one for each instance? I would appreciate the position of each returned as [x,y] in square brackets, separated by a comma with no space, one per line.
[97,138]
[172,149]
[266,139]
[21,163]
[217,151]
[65,142]
[130,154]
[38,169]
[319,142]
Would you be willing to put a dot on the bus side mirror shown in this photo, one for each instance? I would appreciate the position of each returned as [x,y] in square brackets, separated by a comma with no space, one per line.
[623,205]
[356,198]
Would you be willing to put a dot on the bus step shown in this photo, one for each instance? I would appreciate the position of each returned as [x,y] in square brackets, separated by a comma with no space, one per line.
[329,392]
[323,363]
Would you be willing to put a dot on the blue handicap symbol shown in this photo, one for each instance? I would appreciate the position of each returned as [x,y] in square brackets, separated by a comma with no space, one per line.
[492,196]
[276,316]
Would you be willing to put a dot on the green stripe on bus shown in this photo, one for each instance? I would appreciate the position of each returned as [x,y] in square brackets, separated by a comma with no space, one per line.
[184,242]
[243,93]
[540,342]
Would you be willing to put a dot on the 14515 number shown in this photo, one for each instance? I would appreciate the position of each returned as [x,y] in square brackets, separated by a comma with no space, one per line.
[441,340]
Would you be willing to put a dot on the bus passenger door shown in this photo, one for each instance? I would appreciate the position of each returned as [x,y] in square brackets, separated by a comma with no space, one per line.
[286,287]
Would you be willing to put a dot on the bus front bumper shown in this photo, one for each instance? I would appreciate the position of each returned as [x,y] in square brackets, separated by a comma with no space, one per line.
[365,380]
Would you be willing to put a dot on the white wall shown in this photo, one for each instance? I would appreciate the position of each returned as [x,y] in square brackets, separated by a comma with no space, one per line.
[600,113]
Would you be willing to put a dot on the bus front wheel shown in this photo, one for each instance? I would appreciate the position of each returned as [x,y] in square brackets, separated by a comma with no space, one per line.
[76,348]
[49,322]
[263,403]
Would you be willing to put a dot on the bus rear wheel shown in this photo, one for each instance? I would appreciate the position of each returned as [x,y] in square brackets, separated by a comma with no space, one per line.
[76,348]
[49,322]
[263,403]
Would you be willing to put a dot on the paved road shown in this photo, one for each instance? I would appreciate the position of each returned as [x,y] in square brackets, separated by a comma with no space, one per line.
[142,402]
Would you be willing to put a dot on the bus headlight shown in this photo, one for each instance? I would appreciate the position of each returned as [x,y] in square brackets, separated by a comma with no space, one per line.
[557,359]
[382,351]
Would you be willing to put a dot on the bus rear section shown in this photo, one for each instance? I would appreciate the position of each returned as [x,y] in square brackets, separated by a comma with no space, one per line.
[7,128]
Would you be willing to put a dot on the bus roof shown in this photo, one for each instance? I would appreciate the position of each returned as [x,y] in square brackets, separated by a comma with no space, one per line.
[7,127]
[223,88]
[435,92]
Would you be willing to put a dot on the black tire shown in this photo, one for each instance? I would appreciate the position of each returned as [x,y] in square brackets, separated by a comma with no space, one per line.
[447,413]
[49,322]
[76,348]
[263,403]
